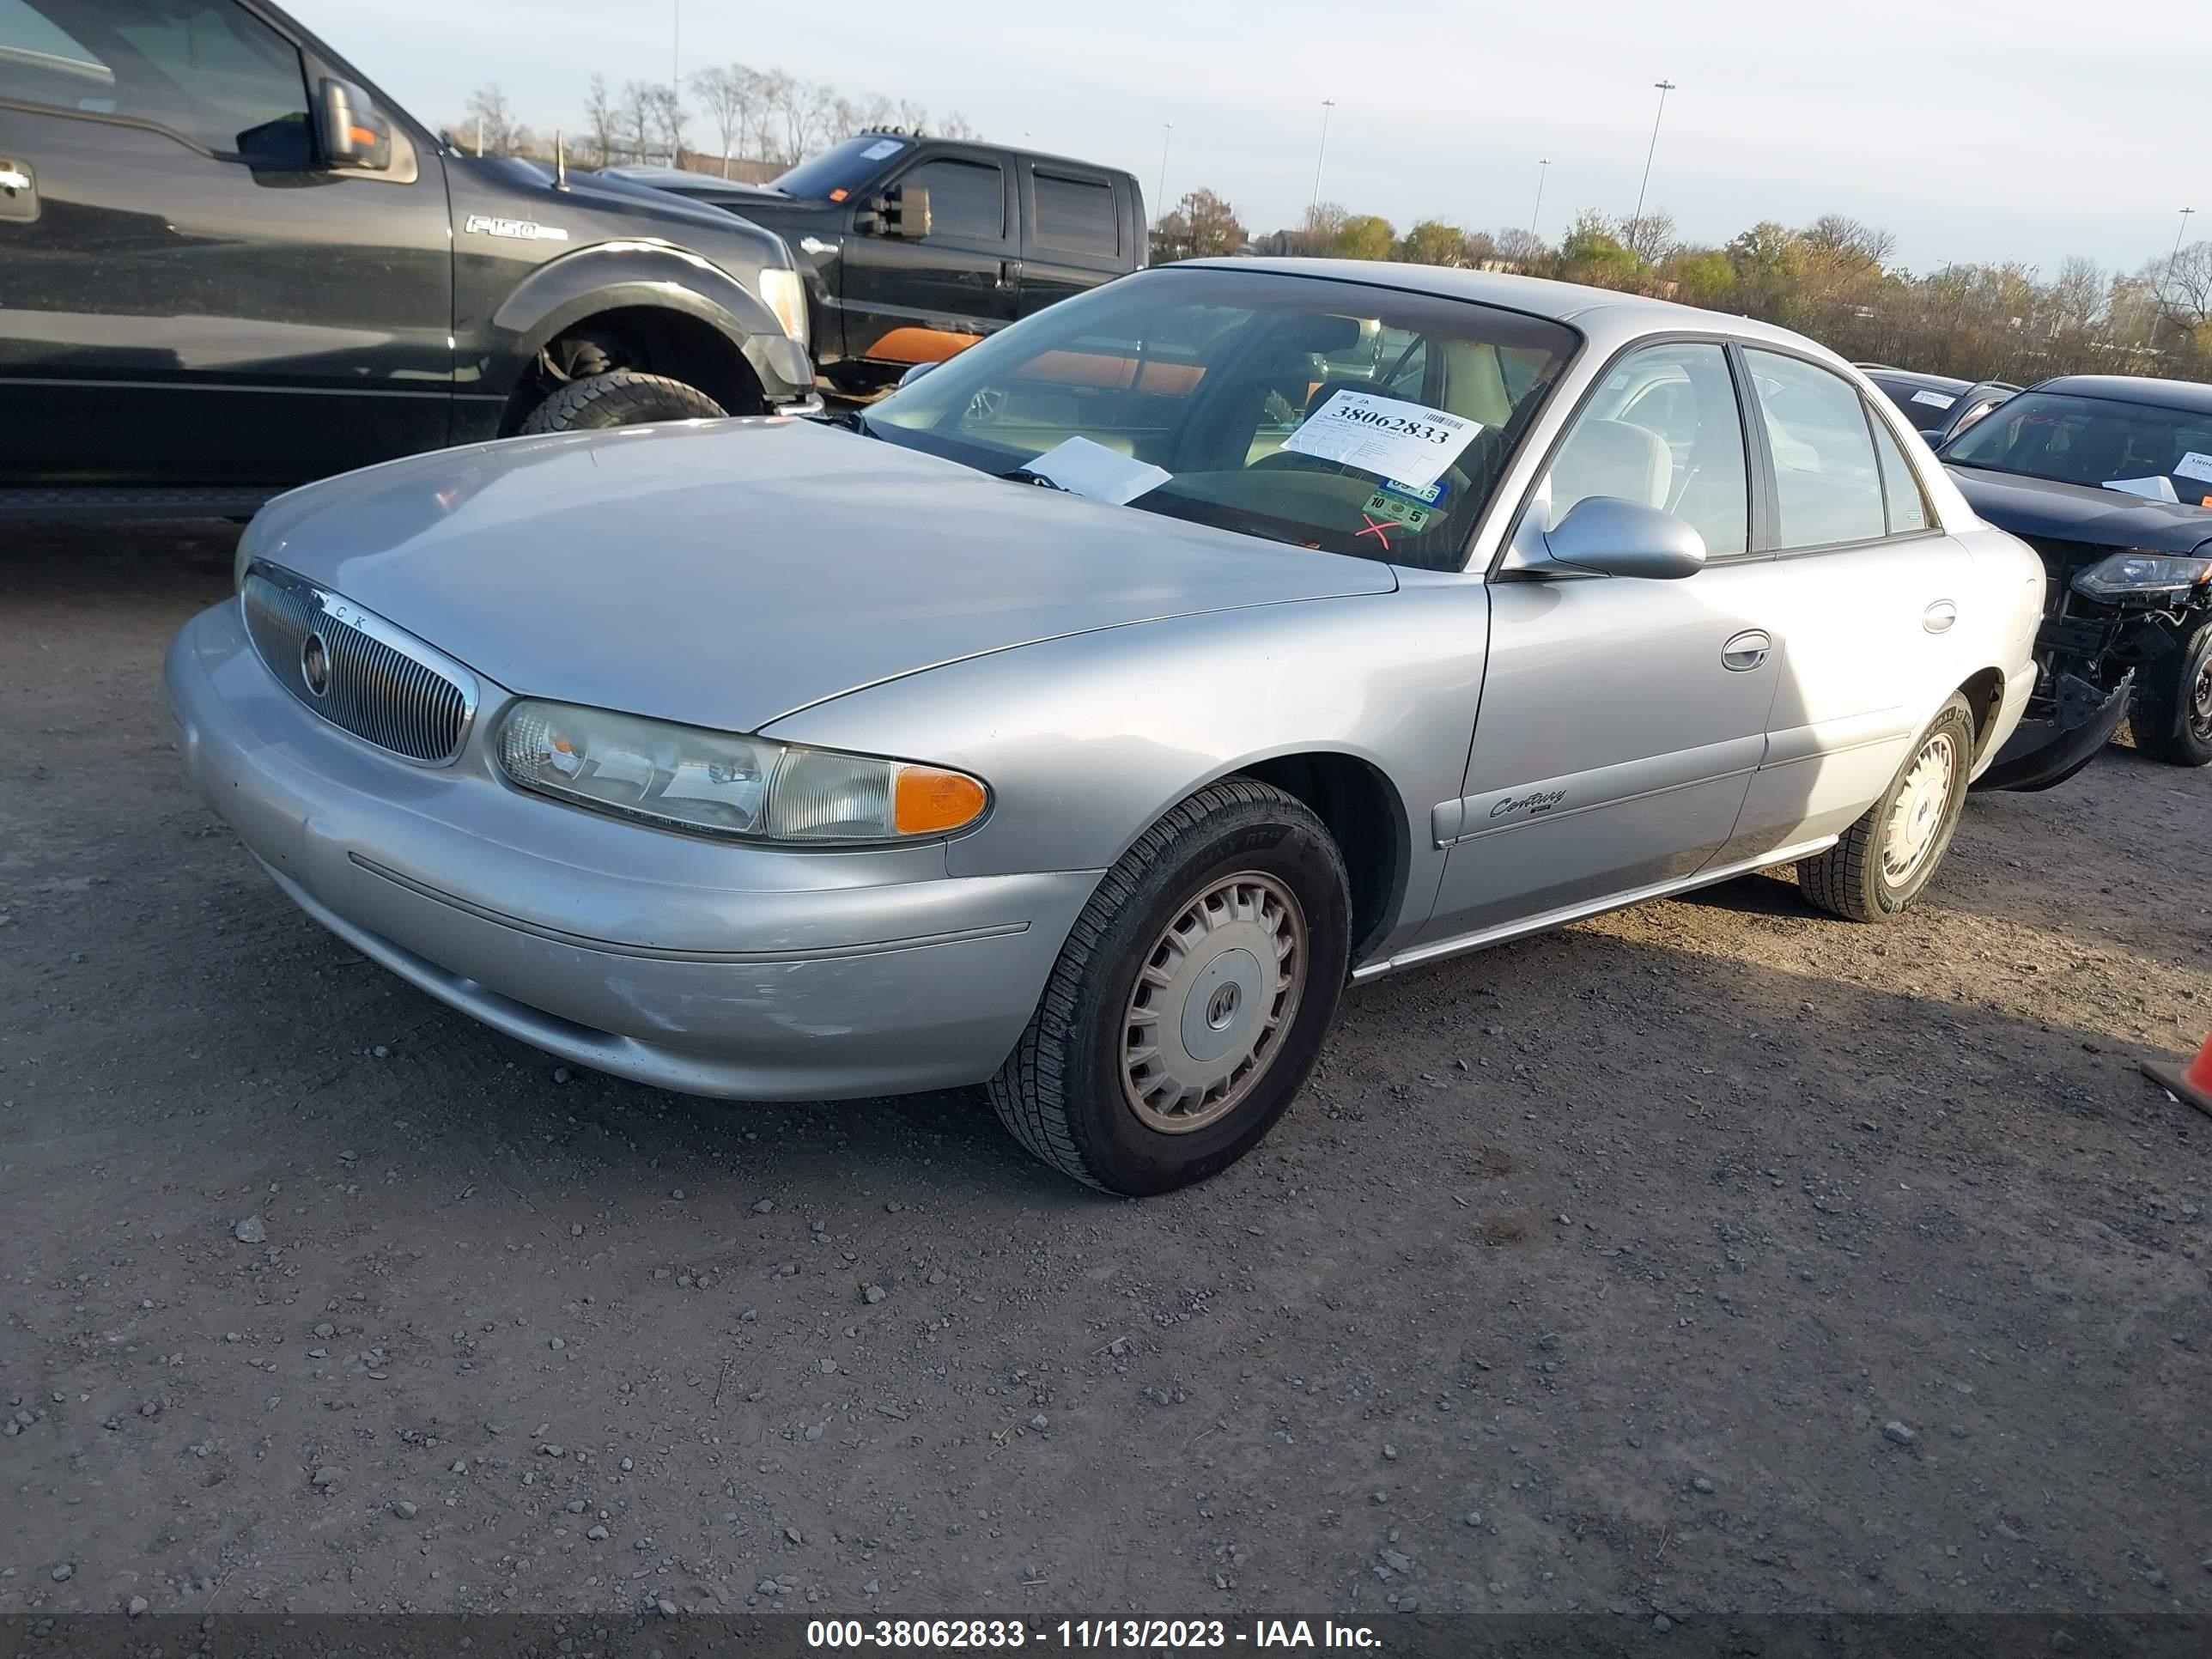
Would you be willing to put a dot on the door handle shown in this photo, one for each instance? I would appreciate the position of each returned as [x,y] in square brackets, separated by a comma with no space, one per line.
[19,190]
[1746,650]
[1938,617]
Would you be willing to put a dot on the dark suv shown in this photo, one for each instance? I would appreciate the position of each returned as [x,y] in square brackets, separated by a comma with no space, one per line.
[913,247]
[227,266]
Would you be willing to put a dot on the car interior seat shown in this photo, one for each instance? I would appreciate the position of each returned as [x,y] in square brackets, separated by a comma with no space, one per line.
[1612,458]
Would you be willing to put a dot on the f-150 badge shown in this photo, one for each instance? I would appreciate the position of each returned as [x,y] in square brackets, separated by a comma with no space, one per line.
[521,230]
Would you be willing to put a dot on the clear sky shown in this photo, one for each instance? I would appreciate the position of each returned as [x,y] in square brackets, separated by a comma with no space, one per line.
[1977,130]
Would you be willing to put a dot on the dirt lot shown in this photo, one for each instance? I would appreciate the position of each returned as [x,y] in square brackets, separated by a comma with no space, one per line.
[1710,1256]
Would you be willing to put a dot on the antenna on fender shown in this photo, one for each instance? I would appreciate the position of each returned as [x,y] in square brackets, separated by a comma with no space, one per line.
[560,161]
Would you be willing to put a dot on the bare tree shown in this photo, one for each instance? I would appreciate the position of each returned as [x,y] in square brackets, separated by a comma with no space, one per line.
[2184,285]
[729,92]
[636,117]
[670,118]
[493,128]
[957,126]
[600,118]
[1651,238]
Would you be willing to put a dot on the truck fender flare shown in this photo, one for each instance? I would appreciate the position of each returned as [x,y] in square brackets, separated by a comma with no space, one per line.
[618,276]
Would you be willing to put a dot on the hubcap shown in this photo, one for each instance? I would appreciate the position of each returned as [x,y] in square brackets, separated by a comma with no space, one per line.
[1918,817]
[1213,996]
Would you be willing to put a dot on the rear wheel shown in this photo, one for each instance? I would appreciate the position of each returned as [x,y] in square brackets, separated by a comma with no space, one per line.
[2171,715]
[1882,863]
[621,396]
[1190,1002]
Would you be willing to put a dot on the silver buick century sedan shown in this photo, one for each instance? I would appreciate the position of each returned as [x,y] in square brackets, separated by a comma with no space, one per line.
[1080,720]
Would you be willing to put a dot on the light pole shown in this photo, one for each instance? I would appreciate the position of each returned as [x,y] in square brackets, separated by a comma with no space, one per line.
[1542,168]
[2158,317]
[1160,201]
[675,79]
[1327,105]
[1635,225]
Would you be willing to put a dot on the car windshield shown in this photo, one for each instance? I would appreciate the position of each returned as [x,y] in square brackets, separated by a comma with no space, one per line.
[2097,441]
[839,170]
[1336,414]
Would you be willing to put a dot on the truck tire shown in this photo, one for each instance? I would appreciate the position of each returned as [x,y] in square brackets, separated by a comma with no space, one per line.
[2171,719]
[621,396]
[1190,1001]
[1882,862]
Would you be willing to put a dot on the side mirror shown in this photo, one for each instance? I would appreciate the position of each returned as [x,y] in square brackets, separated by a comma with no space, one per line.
[1617,537]
[351,131]
[902,210]
[914,375]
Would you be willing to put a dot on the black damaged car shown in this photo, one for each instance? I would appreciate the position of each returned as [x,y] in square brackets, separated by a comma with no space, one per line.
[2108,478]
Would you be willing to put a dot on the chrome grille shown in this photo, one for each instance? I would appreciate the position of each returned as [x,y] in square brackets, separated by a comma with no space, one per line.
[356,669]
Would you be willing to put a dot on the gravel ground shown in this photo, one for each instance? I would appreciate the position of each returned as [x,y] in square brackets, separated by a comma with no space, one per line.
[1710,1256]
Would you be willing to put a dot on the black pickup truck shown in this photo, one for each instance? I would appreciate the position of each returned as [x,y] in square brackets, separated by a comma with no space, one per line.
[227,266]
[913,247]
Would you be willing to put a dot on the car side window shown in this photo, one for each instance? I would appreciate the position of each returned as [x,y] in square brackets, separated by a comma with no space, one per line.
[967,199]
[1076,216]
[1664,430]
[1900,485]
[207,70]
[1827,487]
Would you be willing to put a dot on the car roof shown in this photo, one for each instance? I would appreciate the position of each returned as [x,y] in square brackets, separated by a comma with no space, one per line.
[1595,311]
[2190,395]
[668,178]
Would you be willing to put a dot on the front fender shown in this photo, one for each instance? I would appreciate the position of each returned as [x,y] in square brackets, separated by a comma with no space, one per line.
[611,276]
[1087,740]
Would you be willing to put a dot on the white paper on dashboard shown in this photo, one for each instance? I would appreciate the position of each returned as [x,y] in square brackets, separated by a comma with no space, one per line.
[1084,468]
[1409,443]
[1933,400]
[2194,465]
[2158,486]
[876,152]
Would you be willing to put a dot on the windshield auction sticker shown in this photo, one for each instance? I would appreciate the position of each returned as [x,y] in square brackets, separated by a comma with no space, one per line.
[1406,443]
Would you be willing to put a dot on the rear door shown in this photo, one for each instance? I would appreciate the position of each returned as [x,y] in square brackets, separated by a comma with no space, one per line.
[1865,605]
[1077,232]
[918,300]
[190,298]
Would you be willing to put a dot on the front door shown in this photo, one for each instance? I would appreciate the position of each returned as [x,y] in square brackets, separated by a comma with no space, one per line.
[1621,720]
[188,299]
[919,300]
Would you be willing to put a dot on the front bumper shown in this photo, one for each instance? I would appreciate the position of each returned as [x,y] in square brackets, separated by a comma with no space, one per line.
[691,965]
[2043,754]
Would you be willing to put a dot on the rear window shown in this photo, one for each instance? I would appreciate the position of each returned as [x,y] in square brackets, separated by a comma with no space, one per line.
[1076,216]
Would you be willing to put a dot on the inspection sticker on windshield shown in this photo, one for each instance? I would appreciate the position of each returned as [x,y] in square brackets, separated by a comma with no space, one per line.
[876,152]
[1388,504]
[1933,400]
[1409,443]
[2194,465]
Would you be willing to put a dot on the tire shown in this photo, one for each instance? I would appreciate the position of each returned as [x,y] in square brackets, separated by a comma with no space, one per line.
[2170,718]
[621,396]
[1866,875]
[1239,864]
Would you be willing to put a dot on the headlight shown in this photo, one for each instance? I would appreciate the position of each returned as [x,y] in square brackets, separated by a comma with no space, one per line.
[785,295]
[2139,573]
[719,783]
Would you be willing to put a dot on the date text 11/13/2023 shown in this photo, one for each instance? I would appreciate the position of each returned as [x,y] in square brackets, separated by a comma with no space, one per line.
[1142,1634]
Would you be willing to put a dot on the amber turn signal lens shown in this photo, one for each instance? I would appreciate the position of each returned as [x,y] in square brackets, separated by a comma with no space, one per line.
[927,802]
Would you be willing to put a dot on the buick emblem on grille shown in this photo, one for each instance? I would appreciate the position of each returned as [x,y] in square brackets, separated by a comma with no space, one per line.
[315,664]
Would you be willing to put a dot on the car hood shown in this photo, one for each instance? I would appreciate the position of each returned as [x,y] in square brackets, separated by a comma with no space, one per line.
[726,573]
[2045,508]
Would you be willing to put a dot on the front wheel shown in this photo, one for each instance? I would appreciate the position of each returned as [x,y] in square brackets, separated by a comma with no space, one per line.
[621,396]
[1190,1002]
[1882,863]
[2172,716]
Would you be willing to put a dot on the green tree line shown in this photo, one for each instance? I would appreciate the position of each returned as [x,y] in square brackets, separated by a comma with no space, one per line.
[1835,280]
